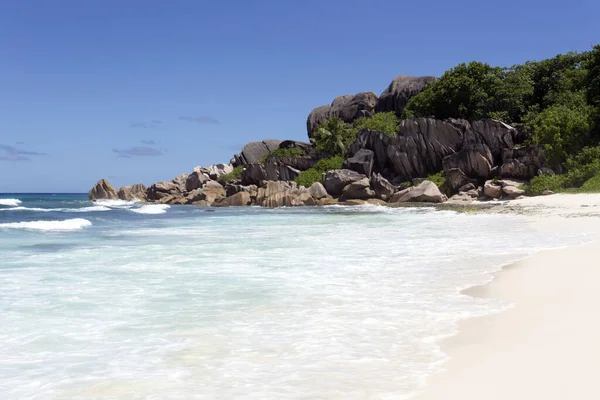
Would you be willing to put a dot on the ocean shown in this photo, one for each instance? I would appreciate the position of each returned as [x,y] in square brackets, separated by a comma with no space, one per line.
[117,300]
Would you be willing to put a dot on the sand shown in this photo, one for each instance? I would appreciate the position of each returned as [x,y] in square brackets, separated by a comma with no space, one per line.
[547,346]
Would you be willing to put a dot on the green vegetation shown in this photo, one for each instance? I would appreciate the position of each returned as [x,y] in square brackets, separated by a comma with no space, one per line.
[278,154]
[386,122]
[583,174]
[558,101]
[232,176]
[314,174]
[334,136]
[440,180]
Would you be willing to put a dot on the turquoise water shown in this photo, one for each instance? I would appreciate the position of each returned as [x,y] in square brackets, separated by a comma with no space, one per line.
[117,300]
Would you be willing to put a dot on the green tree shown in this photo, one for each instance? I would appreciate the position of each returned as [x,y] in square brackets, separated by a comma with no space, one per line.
[466,91]
[562,129]
[386,122]
[334,136]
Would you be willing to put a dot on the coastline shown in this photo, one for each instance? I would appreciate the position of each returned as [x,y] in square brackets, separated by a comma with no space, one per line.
[544,345]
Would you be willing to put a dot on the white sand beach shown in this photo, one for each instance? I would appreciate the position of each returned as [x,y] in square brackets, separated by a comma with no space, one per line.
[547,345]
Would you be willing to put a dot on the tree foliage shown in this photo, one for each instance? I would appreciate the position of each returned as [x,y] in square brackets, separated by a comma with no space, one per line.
[314,174]
[334,136]
[386,122]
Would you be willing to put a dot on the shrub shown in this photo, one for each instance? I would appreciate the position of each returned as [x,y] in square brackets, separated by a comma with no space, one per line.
[333,136]
[314,174]
[544,182]
[592,185]
[277,154]
[232,176]
[562,129]
[440,180]
[386,122]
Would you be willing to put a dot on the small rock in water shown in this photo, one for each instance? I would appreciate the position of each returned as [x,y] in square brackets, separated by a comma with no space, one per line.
[547,192]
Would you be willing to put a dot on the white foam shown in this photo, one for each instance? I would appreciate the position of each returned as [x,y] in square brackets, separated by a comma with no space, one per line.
[116,203]
[65,225]
[77,210]
[88,209]
[152,209]
[10,202]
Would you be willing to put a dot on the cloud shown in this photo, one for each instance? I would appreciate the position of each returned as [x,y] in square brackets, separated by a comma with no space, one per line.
[148,142]
[14,158]
[138,151]
[19,142]
[17,154]
[201,120]
[146,125]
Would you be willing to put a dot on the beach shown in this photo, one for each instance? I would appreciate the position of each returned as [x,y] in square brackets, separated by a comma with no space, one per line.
[545,346]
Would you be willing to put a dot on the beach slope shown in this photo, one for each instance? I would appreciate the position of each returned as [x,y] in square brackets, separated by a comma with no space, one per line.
[547,345]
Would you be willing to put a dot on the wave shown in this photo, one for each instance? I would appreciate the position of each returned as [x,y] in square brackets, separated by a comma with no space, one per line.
[10,202]
[75,210]
[152,209]
[116,203]
[65,225]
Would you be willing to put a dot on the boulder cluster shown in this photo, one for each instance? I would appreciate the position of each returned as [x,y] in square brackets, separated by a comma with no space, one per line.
[482,159]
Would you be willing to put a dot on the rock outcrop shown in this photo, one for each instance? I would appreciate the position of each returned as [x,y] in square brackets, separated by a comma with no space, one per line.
[280,193]
[347,107]
[336,180]
[195,180]
[400,90]
[317,191]
[425,192]
[360,189]
[103,190]
[255,174]
[254,151]
[133,192]
[492,190]
[160,190]
[382,187]
[361,162]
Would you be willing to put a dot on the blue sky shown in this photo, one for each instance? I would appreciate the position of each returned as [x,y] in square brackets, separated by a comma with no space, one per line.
[141,91]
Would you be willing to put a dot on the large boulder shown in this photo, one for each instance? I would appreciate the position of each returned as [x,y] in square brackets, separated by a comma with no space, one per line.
[347,107]
[103,190]
[180,182]
[522,163]
[425,192]
[281,193]
[254,151]
[492,190]
[475,161]
[336,180]
[162,189]
[361,162]
[211,192]
[195,180]
[455,179]
[237,200]
[133,192]
[255,174]
[382,187]
[360,189]
[317,190]
[400,90]
[422,145]
[216,170]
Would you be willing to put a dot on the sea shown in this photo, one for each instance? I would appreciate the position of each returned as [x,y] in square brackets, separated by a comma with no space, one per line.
[121,300]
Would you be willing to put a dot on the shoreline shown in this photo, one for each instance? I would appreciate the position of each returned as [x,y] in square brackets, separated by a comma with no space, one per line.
[543,346]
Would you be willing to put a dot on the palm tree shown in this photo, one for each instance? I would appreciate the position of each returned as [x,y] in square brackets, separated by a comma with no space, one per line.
[333,136]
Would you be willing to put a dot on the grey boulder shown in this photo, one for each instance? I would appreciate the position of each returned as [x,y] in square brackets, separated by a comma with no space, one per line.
[103,190]
[425,192]
[336,180]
